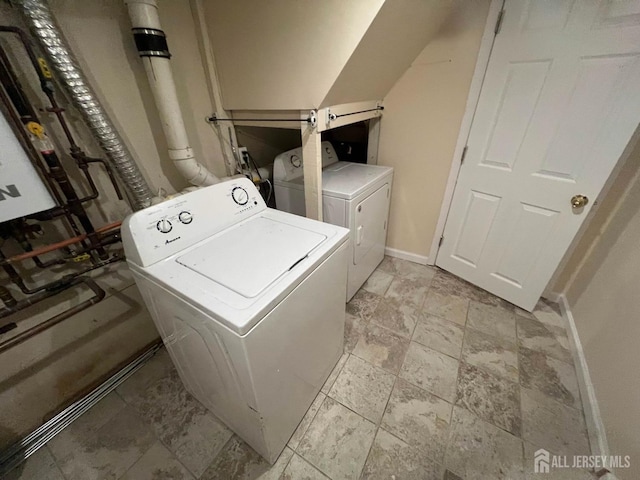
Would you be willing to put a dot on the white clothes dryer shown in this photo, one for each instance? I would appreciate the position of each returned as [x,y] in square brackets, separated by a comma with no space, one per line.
[354,195]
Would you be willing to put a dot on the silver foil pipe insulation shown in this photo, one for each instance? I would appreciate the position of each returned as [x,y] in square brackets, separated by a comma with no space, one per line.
[43,26]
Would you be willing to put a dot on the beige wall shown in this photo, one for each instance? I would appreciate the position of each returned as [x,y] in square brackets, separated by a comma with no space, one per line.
[602,287]
[283,54]
[420,125]
[44,373]
[292,54]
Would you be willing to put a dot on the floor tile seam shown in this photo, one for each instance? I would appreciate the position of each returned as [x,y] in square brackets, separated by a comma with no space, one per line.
[352,410]
[518,388]
[503,339]
[329,387]
[422,311]
[163,443]
[197,477]
[288,461]
[378,425]
[548,355]
[488,421]
[365,360]
[140,458]
[388,330]
[436,350]
[449,440]
[429,457]
[308,460]
[302,435]
[553,400]
[53,457]
[96,430]
[370,320]
[581,409]
[483,369]
[547,326]
[393,277]
[456,404]
[427,391]
[312,464]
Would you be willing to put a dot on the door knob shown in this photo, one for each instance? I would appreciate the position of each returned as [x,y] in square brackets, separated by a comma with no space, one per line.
[578,201]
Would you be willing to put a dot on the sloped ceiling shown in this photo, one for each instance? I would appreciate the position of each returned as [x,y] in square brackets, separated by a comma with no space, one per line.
[303,54]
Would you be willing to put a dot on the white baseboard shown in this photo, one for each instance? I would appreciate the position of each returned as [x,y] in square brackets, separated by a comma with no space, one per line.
[553,297]
[595,426]
[412,257]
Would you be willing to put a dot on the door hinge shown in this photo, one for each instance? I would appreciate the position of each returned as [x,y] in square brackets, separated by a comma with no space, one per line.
[441,240]
[385,225]
[499,22]
[464,154]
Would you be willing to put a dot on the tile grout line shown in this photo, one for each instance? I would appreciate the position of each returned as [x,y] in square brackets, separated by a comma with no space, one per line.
[158,439]
[378,426]
[295,450]
[55,461]
[449,432]
[517,342]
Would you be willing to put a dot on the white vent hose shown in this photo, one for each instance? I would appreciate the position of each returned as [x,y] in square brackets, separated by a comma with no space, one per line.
[152,47]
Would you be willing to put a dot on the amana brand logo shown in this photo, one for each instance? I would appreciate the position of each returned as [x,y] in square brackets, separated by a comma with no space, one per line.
[9,191]
[171,240]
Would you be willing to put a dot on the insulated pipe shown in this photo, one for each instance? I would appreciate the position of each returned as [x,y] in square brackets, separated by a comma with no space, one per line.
[152,47]
[40,20]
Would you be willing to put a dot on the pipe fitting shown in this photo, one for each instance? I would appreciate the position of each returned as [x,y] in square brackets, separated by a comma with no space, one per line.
[44,27]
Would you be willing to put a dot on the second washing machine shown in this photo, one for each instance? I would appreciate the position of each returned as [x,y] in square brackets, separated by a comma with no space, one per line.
[354,195]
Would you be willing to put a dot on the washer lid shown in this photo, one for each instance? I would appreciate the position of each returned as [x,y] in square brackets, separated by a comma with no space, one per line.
[249,258]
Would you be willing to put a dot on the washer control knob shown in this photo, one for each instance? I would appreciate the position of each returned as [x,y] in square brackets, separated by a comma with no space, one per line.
[185,217]
[164,226]
[295,161]
[240,196]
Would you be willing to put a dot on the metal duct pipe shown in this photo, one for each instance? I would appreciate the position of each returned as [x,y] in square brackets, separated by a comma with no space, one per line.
[44,27]
[152,47]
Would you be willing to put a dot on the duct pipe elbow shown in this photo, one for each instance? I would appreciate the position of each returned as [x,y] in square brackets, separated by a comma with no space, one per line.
[190,169]
[152,47]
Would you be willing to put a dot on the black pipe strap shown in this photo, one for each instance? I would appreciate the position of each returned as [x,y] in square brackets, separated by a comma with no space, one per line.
[151,42]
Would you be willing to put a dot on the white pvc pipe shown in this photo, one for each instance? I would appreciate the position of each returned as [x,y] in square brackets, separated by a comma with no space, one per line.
[144,14]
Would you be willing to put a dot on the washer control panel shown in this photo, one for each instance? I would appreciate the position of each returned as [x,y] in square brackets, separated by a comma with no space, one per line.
[185,217]
[164,229]
[240,196]
[288,165]
[164,226]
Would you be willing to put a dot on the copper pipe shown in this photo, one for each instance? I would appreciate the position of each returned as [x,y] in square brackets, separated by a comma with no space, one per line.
[59,245]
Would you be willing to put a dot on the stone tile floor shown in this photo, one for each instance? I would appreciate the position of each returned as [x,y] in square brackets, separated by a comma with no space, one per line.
[439,380]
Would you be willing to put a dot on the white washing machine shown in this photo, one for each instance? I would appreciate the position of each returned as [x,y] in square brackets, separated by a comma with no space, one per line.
[354,195]
[249,302]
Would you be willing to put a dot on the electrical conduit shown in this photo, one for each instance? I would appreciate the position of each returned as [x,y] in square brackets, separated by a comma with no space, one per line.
[152,47]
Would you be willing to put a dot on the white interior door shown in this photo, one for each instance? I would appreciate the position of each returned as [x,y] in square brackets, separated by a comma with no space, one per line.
[559,104]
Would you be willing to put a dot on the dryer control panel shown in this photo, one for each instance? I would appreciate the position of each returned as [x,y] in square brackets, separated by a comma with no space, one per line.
[167,228]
